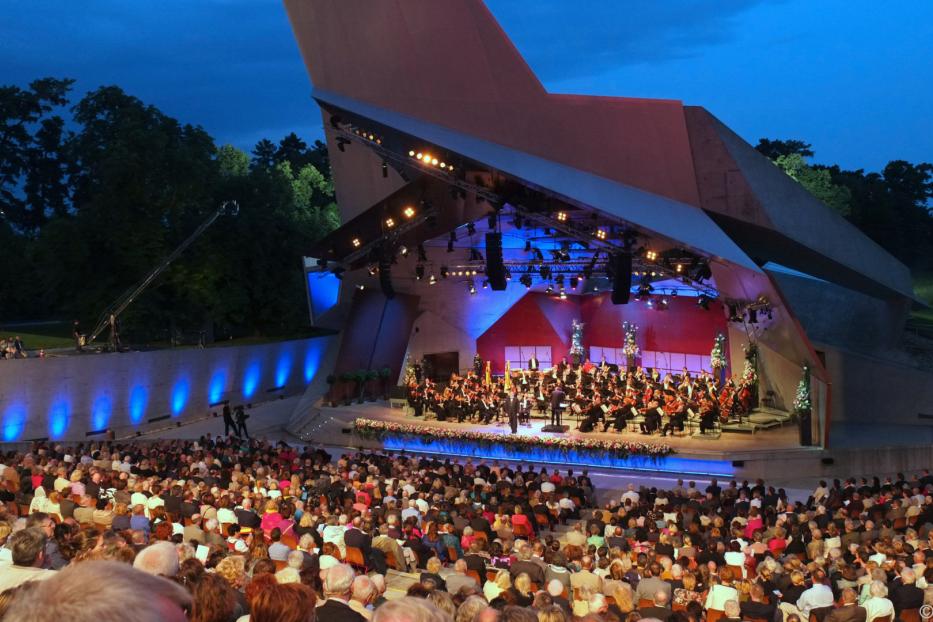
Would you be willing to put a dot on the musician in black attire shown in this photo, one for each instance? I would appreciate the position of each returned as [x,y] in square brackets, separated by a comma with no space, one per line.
[708,414]
[557,397]
[512,406]
[533,363]
[229,423]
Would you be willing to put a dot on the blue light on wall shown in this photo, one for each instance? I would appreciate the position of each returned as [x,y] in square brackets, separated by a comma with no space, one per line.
[59,415]
[283,367]
[14,421]
[323,290]
[313,358]
[216,388]
[139,398]
[101,411]
[251,379]
[180,396]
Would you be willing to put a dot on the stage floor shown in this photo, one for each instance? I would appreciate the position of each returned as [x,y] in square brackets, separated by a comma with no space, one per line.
[731,445]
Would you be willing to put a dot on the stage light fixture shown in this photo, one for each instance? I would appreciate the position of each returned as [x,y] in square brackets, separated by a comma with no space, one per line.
[538,254]
[372,270]
[662,304]
[562,216]
[408,212]
[419,156]
[621,269]
[545,272]
[573,282]
[563,295]
[419,272]
[475,255]
[356,242]
[472,288]
[450,246]
[734,313]
[422,254]
[752,316]
[361,287]
[527,246]
[390,222]
[679,268]
[525,280]
[471,228]
[491,221]
[385,169]
[651,255]
[650,303]
[432,280]
[434,161]
[444,272]
[485,283]
[703,302]
[403,251]
[600,234]
[411,154]
[550,289]
[450,168]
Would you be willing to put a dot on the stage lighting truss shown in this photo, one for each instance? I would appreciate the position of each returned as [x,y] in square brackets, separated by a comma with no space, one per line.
[579,224]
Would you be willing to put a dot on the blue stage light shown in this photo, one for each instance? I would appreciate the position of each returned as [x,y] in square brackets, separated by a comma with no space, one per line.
[283,368]
[101,411]
[139,398]
[313,358]
[251,379]
[59,415]
[216,389]
[180,396]
[14,421]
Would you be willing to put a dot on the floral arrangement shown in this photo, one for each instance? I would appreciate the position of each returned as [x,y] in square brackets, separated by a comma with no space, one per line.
[718,355]
[410,375]
[802,403]
[371,428]
[750,371]
[630,345]
[576,340]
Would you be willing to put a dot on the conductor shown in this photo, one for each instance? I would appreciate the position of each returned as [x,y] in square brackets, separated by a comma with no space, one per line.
[557,397]
[512,406]
[533,363]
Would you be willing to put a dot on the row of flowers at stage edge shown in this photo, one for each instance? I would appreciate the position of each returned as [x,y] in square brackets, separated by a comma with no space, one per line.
[371,428]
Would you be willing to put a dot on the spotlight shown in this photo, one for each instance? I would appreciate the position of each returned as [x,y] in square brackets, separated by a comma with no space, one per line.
[411,154]
[385,169]
[651,255]
[361,287]
[403,251]
[444,272]
[432,280]
[372,270]
[422,255]
[562,216]
[662,305]
[679,268]
[450,168]
[650,303]
[472,288]
[419,272]
[356,242]
[485,283]
[538,254]
[573,282]
[527,246]
[471,228]
[390,222]
[549,290]
[525,280]
[420,155]
[545,272]
[563,295]
[600,234]
[703,302]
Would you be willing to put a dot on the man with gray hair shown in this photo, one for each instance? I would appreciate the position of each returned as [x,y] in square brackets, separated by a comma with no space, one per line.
[658,609]
[732,611]
[904,594]
[101,591]
[160,558]
[362,593]
[849,611]
[338,586]
[27,547]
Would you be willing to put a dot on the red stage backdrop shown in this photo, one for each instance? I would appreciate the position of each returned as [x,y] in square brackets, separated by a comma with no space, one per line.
[542,320]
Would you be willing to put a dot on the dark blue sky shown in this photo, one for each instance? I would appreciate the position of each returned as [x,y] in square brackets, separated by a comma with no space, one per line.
[853,77]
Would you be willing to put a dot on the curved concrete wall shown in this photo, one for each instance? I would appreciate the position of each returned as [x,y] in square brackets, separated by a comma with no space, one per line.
[64,398]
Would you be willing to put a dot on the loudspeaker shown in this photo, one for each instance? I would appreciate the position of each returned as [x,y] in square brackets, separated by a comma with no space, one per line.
[385,278]
[621,278]
[738,463]
[495,269]
[827,461]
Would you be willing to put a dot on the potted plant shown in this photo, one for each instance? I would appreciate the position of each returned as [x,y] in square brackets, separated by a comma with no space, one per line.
[359,376]
[384,374]
[347,379]
[372,379]
[331,390]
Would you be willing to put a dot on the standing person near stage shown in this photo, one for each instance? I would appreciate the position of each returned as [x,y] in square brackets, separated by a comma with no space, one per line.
[229,423]
[512,405]
[241,418]
[533,363]
[557,397]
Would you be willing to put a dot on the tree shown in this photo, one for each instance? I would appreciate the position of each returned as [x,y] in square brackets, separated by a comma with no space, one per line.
[817,181]
[774,149]
[232,161]
[32,161]
[264,154]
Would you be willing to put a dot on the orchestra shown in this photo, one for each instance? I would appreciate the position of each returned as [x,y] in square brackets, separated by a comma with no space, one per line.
[601,397]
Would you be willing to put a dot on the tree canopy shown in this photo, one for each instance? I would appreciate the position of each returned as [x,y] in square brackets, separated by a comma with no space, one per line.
[892,207]
[96,193]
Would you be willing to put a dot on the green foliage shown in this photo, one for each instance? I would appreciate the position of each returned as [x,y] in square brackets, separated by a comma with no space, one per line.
[91,211]
[817,181]
[892,207]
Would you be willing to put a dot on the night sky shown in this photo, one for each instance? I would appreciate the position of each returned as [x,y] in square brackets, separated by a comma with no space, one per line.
[853,77]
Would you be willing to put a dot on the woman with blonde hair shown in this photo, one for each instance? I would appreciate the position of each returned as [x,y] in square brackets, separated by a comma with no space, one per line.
[502,582]
[621,593]
[521,590]
[77,486]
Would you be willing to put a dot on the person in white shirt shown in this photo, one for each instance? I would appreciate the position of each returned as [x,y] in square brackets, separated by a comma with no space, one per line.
[820,595]
[631,494]
[721,592]
[878,605]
